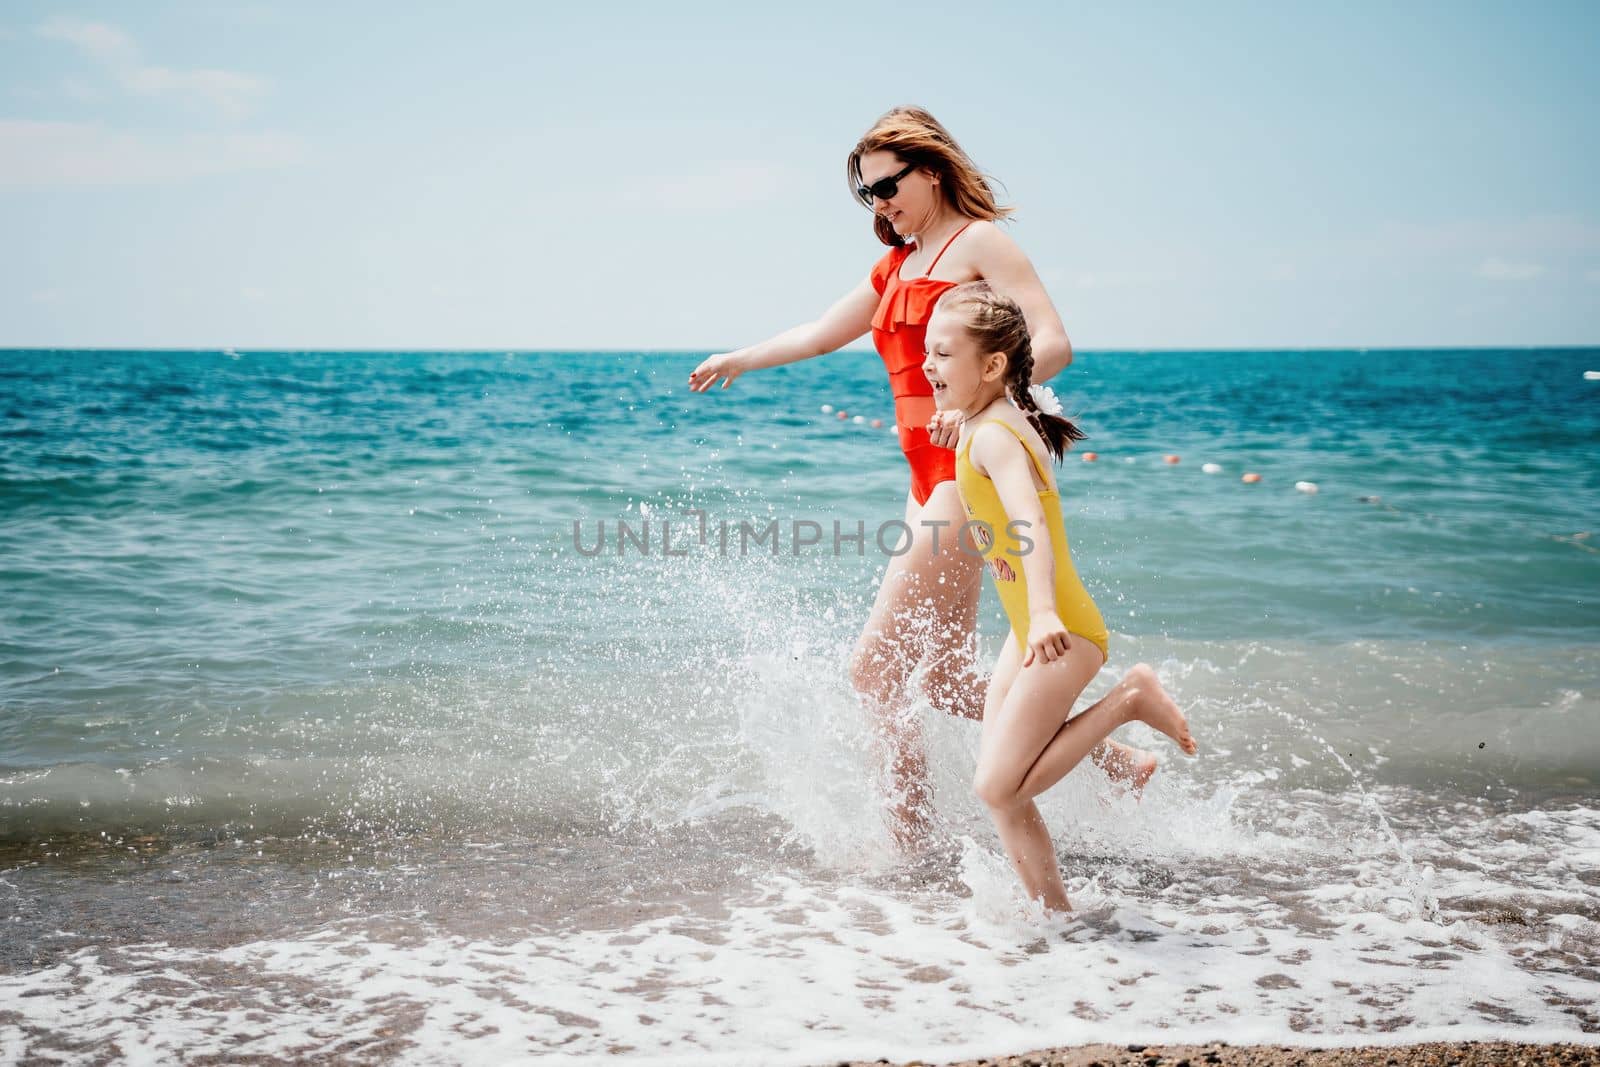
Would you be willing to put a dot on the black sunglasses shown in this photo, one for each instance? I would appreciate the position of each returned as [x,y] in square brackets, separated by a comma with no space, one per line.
[883,188]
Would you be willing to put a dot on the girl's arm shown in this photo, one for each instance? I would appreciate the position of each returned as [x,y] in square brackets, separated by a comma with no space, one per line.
[847,319]
[1002,457]
[1009,271]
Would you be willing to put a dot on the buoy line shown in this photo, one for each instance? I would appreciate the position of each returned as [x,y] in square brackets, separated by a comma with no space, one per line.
[1578,540]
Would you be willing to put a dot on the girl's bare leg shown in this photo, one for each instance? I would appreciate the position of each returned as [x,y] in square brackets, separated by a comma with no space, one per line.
[1026,748]
[951,680]
[926,610]
[1023,718]
[1139,695]
[1123,764]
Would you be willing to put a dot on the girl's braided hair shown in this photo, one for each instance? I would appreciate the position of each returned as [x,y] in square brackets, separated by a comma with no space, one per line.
[997,324]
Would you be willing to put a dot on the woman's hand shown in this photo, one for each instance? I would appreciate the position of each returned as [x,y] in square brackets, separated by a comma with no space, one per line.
[1047,637]
[944,428]
[724,367]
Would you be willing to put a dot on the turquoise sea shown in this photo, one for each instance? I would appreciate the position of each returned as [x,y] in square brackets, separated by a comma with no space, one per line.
[324,731]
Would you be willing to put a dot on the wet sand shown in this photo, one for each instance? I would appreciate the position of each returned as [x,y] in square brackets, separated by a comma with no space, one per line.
[1428,1054]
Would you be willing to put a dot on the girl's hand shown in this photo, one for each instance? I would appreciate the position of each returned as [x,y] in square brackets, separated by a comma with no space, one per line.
[944,428]
[1047,637]
[724,367]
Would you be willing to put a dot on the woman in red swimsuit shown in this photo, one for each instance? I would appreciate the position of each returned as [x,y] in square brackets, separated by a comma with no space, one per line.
[935,210]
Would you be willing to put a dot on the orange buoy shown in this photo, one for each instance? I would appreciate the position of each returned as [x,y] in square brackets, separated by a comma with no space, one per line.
[1090,457]
[844,414]
[1251,478]
[877,424]
[1169,459]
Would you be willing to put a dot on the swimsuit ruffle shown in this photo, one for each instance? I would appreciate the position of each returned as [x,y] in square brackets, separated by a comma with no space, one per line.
[909,304]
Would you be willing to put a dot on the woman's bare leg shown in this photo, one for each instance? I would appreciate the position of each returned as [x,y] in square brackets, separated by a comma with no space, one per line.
[951,679]
[922,589]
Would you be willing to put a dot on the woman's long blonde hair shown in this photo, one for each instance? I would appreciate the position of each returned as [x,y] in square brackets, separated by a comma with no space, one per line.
[916,137]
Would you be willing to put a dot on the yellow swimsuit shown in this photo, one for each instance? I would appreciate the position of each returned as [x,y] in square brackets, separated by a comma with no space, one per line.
[1003,549]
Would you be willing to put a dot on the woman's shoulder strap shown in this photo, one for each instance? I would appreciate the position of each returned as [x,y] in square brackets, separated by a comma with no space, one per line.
[946,247]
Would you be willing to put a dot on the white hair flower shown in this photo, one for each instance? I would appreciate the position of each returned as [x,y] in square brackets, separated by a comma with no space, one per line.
[1045,399]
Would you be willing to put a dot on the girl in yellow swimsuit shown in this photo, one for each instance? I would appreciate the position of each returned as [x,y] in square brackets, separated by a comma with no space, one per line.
[979,361]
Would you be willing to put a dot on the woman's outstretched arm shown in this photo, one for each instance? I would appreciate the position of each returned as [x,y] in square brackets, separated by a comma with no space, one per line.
[847,319]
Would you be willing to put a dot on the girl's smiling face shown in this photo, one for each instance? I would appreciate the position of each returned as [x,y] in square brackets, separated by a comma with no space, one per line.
[963,378]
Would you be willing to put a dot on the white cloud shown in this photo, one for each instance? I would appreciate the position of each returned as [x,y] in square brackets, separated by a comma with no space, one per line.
[231,93]
[103,42]
[76,153]
[1498,270]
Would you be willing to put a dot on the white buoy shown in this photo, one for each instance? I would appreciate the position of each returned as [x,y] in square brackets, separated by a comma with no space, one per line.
[859,419]
[827,409]
[1591,375]
[1211,468]
[1129,459]
[1306,487]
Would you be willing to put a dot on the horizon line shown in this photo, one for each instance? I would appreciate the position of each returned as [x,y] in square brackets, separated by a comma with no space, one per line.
[515,350]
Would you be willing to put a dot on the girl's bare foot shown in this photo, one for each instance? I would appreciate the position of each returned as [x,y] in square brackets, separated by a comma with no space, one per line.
[1156,709]
[1144,765]
[1128,768]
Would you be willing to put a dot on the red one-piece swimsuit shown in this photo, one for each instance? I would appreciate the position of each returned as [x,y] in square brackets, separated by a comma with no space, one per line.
[898,325]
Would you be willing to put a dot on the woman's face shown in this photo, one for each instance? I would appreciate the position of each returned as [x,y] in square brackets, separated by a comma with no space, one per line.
[914,199]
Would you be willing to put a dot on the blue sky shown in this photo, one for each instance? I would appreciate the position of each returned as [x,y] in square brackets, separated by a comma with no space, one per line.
[651,176]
